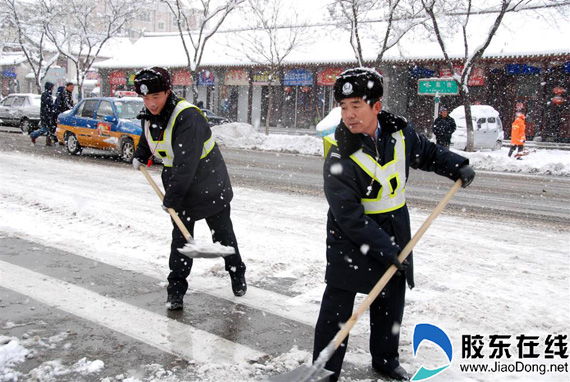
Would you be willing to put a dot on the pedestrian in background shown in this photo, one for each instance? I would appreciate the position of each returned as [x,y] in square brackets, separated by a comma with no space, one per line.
[195,178]
[518,133]
[443,128]
[64,99]
[368,224]
[46,115]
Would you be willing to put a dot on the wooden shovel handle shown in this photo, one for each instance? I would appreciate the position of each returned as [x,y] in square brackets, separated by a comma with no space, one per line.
[343,333]
[171,211]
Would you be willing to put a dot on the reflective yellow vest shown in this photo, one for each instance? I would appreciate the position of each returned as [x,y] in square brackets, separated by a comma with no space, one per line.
[389,197]
[163,148]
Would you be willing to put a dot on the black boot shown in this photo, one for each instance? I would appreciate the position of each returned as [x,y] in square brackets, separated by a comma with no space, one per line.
[174,302]
[398,373]
[239,285]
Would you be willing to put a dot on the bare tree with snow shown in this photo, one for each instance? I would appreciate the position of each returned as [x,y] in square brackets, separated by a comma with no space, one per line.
[443,12]
[29,20]
[209,16]
[273,33]
[81,28]
[389,20]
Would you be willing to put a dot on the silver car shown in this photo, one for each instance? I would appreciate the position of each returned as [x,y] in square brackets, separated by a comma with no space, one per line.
[21,109]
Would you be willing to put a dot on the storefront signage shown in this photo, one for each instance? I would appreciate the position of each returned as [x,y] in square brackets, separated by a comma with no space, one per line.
[117,78]
[236,77]
[10,73]
[477,77]
[441,86]
[262,78]
[521,69]
[182,78]
[327,77]
[421,72]
[298,77]
[206,78]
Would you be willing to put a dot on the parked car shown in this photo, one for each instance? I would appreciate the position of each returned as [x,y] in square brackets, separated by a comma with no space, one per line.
[104,123]
[21,109]
[487,128]
[214,119]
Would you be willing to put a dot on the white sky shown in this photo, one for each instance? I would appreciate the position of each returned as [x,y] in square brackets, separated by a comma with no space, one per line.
[473,276]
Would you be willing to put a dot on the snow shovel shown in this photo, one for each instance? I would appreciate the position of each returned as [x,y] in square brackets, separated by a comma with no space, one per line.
[191,249]
[317,372]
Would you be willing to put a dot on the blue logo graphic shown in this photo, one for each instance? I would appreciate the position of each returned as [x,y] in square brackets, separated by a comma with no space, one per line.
[437,336]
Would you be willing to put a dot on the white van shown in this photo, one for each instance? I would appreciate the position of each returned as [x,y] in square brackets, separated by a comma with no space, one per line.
[487,128]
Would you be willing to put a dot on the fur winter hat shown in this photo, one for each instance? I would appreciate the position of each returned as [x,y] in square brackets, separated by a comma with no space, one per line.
[152,80]
[366,83]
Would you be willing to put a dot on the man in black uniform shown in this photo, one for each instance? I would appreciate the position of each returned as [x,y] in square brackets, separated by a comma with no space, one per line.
[195,178]
[443,128]
[365,175]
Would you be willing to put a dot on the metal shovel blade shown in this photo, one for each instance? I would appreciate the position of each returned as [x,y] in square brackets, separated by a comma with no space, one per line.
[209,251]
[304,373]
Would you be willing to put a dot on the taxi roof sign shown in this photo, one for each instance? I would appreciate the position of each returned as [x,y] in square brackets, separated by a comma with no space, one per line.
[441,86]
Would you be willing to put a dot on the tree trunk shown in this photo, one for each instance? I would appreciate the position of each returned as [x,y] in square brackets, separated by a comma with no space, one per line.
[468,119]
[269,107]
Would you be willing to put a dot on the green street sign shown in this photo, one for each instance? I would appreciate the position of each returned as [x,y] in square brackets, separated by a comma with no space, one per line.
[441,86]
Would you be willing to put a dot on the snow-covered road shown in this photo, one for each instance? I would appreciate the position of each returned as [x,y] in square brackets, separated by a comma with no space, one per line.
[473,277]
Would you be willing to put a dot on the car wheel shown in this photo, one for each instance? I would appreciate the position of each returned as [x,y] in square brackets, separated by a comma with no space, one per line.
[25,125]
[72,144]
[128,150]
[498,145]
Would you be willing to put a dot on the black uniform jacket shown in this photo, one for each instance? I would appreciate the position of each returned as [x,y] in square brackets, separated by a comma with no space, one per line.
[47,117]
[200,187]
[444,127]
[359,246]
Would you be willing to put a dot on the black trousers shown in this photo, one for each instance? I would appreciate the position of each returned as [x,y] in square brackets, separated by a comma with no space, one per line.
[444,141]
[519,148]
[386,314]
[222,230]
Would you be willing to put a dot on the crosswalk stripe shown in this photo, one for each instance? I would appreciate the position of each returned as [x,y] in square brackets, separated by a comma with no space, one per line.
[159,331]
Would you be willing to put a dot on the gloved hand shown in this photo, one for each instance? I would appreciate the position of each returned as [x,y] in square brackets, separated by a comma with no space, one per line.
[401,266]
[136,164]
[466,174]
[165,208]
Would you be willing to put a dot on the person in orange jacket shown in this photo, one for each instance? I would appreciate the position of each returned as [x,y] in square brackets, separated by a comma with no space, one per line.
[518,136]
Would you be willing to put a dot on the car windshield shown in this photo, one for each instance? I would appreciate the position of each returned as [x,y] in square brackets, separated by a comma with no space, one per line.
[128,109]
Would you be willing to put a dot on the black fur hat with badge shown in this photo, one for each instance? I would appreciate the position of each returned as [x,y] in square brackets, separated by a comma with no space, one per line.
[152,80]
[359,82]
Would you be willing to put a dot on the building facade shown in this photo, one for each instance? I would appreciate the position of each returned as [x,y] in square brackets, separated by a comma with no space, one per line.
[302,94]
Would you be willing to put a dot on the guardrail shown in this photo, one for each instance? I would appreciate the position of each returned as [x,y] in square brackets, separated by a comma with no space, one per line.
[541,145]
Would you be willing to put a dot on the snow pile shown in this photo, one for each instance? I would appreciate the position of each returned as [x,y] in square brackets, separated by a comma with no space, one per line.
[14,351]
[244,136]
[538,161]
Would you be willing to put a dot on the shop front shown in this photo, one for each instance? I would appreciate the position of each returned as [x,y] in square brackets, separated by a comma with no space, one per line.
[300,106]
[206,87]
[262,82]
[325,81]
[182,83]
[234,95]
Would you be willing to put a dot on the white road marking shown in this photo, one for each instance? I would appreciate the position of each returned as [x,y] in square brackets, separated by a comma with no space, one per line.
[261,299]
[161,332]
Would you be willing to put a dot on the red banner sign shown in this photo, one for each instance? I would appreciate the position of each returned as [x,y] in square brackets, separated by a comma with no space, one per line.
[328,76]
[182,78]
[118,78]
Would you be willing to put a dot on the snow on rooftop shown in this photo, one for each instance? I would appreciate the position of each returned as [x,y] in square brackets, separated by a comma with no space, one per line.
[523,33]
